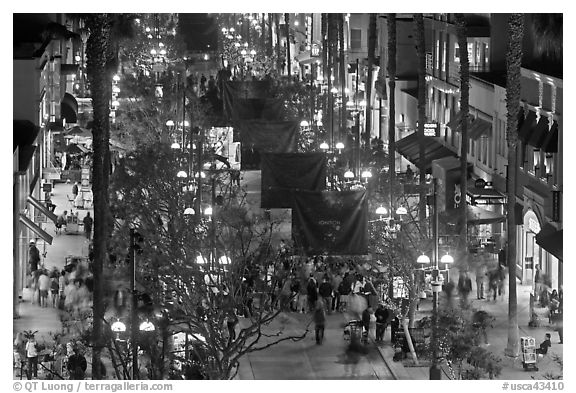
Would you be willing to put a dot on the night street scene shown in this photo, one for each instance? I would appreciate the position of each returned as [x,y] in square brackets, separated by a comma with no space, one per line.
[288,196]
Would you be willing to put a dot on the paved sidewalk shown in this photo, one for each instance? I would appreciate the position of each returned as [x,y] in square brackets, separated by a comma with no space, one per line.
[47,320]
[497,338]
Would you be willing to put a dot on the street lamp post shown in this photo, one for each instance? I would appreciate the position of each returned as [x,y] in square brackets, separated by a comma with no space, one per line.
[133,309]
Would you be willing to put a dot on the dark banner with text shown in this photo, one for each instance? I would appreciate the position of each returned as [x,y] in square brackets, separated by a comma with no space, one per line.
[260,136]
[283,172]
[330,222]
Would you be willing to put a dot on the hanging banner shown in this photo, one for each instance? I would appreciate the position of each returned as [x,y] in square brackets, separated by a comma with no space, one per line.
[330,222]
[258,136]
[282,172]
[256,108]
[232,91]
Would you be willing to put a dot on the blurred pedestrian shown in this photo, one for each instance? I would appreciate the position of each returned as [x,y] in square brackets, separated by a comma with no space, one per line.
[480,277]
[43,287]
[464,287]
[61,222]
[319,322]
[54,289]
[33,257]
[325,291]
[312,292]
[336,280]
[382,315]
[231,323]
[75,189]
[366,315]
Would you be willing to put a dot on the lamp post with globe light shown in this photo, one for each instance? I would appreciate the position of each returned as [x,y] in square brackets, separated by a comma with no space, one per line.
[435,281]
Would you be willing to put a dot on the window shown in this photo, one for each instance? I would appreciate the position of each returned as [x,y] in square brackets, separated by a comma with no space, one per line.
[355,39]
[437,56]
[456,53]
[444,56]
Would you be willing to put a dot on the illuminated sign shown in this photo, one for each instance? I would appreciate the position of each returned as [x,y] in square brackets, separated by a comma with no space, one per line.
[315,50]
[431,129]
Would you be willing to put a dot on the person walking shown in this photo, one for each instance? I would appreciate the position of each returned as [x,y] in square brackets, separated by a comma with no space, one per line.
[319,318]
[325,291]
[54,290]
[366,323]
[336,280]
[480,276]
[88,221]
[33,257]
[32,357]
[43,287]
[231,323]
[75,189]
[382,314]
[312,292]
[61,287]
[61,222]
[203,84]
[464,287]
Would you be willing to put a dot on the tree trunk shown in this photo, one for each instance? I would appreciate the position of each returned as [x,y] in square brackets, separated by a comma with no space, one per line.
[513,65]
[464,110]
[100,84]
[421,54]
[342,75]
[391,19]
[270,47]
[278,52]
[288,58]
[371,56]
[409,341]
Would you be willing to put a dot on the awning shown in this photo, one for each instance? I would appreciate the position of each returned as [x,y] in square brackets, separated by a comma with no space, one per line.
[24,132]
[454,123]
[550,144]
[35,228]
[69,108]
[479,216]
[25,154]
[36,203]
[475,216]
[485,196]
[527,127]
[550,239]
[410,149]
[76,149]
[480,128]
[539,133]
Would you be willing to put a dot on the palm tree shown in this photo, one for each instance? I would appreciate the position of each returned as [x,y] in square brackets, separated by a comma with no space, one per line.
[102,60]
[288,58]
[371,56]
[97,48]
[342,74]
[464,110]
[421,54]
[513,69]
[391,18]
